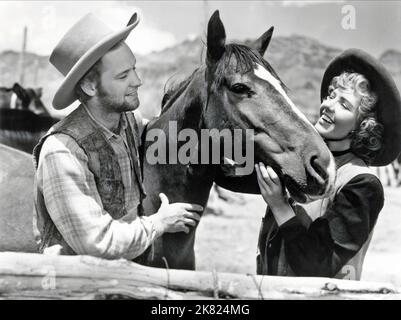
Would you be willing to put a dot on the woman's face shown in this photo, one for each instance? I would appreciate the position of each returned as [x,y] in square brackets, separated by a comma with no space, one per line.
[338,113]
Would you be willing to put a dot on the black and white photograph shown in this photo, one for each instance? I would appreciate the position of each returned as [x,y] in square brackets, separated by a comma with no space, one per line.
[200,150]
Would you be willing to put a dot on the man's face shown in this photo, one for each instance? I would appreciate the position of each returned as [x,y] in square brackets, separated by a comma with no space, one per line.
[117,89]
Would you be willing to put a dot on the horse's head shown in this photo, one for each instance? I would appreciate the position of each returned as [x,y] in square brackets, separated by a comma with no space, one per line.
[29,99]
[23,117]
[244,92]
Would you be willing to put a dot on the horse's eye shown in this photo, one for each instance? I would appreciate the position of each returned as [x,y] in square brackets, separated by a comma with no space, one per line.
[165,99]
[240,88]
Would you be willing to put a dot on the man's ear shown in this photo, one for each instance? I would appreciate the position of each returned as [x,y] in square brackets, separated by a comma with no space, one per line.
[88,86]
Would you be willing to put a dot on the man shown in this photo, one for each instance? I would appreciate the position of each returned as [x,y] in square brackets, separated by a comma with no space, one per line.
[88,184]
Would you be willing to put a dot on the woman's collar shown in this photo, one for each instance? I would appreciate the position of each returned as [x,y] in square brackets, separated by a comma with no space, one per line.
[340,153]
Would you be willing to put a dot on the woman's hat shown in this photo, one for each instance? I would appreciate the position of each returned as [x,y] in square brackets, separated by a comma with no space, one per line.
[81,47]
[388,106]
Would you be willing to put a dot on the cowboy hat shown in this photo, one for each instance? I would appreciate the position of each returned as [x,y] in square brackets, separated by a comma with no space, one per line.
[388,106]
[80,48]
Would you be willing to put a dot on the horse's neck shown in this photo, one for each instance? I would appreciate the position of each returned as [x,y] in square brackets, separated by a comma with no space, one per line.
[186,110]
[186,113]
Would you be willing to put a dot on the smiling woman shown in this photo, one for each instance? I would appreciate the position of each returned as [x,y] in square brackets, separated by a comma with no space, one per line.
[360,120]
[348,115]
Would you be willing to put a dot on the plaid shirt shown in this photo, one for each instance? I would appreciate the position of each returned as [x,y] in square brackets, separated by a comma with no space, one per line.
[74,205]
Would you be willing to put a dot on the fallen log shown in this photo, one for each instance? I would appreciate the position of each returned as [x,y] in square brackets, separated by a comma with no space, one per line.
[35,276]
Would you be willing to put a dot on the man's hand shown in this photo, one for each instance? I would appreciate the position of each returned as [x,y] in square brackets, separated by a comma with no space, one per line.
[177,217]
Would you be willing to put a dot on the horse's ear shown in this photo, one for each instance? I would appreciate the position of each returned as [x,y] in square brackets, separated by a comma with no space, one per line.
[261,44]
[17,86]
[38,92]
[21,93]
[216,38]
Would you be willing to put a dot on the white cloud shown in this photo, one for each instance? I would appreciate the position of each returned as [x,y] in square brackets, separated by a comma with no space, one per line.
[47,22]
[146,39]
[303,3]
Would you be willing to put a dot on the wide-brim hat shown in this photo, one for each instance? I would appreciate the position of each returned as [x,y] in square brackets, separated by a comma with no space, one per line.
[388,106]
[80,48]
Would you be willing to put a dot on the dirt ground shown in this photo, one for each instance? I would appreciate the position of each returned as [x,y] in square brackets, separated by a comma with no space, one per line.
[227,243]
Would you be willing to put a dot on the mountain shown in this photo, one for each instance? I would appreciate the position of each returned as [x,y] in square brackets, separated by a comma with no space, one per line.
[391,59]
[299,61]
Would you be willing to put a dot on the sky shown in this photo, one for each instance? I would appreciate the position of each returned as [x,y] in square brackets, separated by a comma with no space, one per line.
[375,25]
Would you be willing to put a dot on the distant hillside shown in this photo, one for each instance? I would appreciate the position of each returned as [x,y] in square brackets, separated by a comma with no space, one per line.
[392,60]
[38,73]
[300,61]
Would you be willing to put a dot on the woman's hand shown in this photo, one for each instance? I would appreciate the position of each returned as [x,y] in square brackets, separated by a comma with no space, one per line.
[270,185]
[272,192]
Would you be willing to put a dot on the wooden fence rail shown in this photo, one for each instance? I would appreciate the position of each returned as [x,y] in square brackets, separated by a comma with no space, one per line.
[35,276]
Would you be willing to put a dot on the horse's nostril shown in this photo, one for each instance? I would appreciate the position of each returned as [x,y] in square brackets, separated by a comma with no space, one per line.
[317,172]
[317,167]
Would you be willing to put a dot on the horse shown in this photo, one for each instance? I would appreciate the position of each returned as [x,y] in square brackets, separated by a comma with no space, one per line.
[23,117]
[18,97]
[236,88]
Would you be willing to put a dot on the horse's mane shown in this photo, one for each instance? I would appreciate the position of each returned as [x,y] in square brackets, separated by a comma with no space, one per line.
[246,60]
[172,93]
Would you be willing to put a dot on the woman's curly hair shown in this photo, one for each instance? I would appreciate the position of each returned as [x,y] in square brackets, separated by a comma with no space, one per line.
[367,138]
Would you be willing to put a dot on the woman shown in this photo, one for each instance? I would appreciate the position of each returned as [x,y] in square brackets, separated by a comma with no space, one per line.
[360,120]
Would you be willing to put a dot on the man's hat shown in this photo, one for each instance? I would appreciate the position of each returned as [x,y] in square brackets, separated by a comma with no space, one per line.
[81,47]
[388,106]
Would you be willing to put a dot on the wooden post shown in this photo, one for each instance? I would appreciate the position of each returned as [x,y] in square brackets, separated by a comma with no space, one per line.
[22,57]
[36,72]
[2,71]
